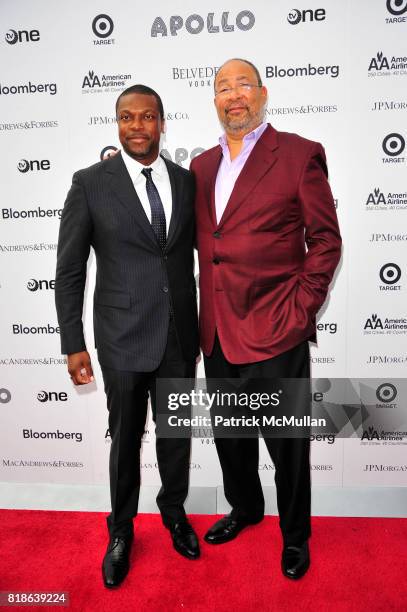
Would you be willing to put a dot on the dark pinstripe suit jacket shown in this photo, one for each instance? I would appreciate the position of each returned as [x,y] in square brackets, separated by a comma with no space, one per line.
[135,279]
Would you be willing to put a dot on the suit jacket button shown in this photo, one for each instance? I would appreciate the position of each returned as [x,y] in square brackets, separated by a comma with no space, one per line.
[216,234]
[165,289]
[216,261]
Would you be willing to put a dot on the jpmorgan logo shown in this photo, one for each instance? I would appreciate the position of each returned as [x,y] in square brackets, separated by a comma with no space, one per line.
[195,24]
[386,393]
[33,165]
[295,16]
[40,285]
[20,36]
[5,396]
[107,152]
[52,396]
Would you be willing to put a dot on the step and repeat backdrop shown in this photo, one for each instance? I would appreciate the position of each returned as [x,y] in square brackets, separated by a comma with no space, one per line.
[336,72]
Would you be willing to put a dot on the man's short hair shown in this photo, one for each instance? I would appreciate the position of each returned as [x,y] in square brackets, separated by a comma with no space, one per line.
[245,61]
[145,91]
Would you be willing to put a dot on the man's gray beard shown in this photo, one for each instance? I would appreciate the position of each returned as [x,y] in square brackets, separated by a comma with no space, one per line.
[251,122]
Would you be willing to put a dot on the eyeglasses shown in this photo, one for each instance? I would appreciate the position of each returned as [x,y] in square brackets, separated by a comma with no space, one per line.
[245,88]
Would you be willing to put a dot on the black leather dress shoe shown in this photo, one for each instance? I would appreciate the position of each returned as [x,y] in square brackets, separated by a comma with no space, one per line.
[185,540]
[227,528]
[295,561]
[116,561]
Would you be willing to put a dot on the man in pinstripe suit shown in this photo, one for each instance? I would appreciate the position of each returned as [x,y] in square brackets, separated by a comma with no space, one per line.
[136,211]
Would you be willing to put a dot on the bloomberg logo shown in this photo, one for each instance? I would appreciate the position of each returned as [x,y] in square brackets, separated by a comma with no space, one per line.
[274,72]
[19,328]
[195,24]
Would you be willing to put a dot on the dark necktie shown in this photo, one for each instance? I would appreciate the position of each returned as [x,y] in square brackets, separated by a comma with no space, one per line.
[157,210]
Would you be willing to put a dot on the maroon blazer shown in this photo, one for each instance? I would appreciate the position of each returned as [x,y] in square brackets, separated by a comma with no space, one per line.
[265,268]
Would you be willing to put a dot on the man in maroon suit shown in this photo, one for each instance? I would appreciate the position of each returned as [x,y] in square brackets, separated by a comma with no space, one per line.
[269,243]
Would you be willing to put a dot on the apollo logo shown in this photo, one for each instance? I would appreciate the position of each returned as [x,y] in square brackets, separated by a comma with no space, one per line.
[19,36]
[295,16]
[180,155]
[5,396]
[107,152]
[195,24]
[386,393]
[25,165]
[52,396]
[40,285]
[102,26]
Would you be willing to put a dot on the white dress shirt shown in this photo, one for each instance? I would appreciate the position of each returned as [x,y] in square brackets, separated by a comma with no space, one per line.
[160,178]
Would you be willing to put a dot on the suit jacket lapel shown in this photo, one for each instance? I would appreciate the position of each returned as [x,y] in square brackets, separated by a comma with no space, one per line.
[211,171]
[261,159]
[123,188]
[177,187]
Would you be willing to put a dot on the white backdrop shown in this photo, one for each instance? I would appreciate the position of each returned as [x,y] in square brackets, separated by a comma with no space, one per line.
[336,72]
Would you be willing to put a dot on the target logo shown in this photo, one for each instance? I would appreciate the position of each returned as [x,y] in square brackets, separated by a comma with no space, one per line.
[103,27]
[5,396]
[108,152]
[397,7]
[295,16]
[386,393]
[393,144]
[390,274]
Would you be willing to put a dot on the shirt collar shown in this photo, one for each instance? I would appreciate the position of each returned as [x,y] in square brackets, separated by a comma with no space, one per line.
[134,167]
[254,135]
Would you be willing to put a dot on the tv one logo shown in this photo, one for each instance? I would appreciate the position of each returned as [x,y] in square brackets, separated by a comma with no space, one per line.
[393,145]
[195,24]
[52,396]
[295,16]
[40,285]
[33,165]
[21,36]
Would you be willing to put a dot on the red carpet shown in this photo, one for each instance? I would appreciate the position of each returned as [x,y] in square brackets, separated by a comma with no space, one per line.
[356,565]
